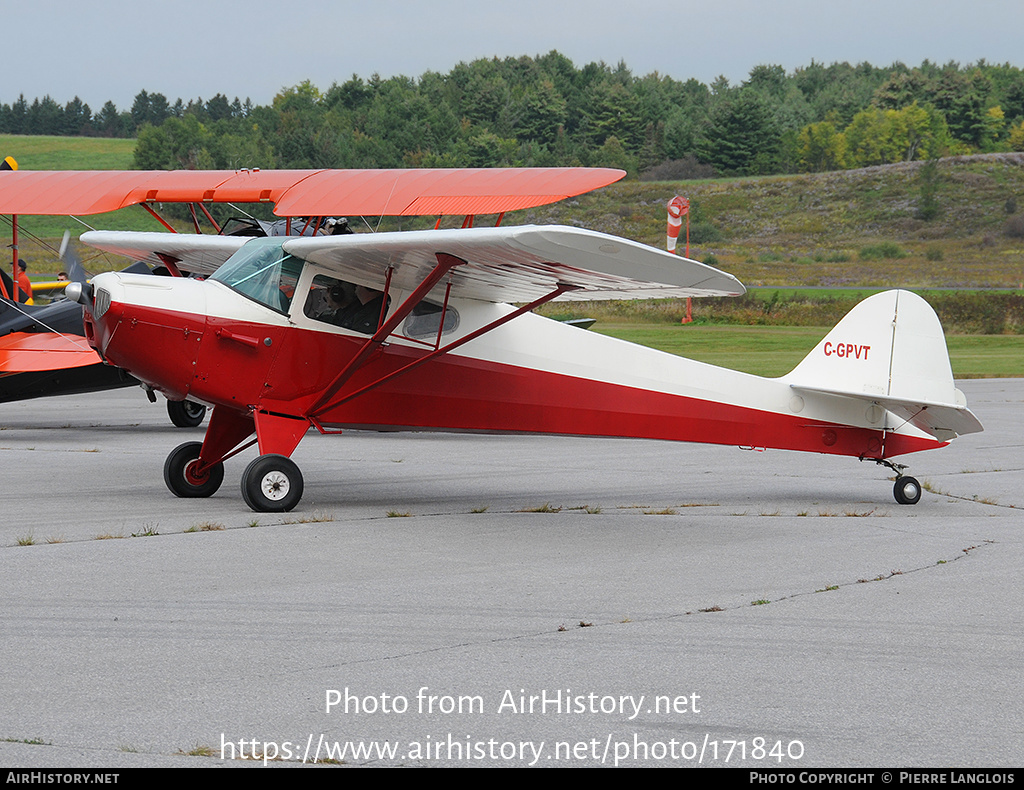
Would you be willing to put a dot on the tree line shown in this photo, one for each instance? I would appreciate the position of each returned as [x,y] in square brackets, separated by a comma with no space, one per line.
[544,111]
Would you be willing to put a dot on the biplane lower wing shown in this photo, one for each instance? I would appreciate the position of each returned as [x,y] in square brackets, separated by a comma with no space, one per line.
[24,352]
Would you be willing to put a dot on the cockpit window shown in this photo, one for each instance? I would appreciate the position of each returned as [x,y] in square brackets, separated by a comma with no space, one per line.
[425,319]
[262,271]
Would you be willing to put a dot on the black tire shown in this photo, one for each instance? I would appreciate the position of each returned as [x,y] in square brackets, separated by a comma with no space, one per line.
[186,413]
[907,490]
[272,484]
[178,479]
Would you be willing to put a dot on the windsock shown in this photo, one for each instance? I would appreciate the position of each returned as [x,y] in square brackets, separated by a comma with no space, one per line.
[677,207]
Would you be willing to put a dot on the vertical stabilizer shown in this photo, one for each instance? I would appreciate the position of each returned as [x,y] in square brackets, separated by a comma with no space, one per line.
[890,350]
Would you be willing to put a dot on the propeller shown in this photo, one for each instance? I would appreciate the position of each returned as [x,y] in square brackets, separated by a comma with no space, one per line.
[78,290]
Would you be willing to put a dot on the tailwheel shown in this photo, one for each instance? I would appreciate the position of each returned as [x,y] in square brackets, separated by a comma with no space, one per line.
[907,490]
[272,484]
[180,472]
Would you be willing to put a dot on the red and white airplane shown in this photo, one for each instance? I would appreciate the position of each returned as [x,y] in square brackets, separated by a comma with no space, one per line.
[417,330]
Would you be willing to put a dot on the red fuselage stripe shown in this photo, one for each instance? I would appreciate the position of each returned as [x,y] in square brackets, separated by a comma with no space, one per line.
[451,392]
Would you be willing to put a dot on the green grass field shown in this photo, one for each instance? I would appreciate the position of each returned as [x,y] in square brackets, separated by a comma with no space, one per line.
[776,350]
[34,152]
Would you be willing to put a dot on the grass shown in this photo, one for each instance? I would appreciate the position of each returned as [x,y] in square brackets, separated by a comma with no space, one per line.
[316,517]
[206,526]
[27,540]
[775,351]
[199,750]
[545,508]
[43,152]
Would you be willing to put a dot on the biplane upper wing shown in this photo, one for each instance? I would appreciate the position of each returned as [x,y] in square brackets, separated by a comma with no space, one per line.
[409,192]
[518,264]
[200,254]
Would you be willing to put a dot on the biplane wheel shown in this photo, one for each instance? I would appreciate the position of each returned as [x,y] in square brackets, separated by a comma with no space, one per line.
[186,413]
[179,477]
[272,484]
[907,490]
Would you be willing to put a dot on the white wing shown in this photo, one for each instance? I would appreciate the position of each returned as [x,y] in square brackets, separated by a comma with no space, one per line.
[518,264]
[196,253]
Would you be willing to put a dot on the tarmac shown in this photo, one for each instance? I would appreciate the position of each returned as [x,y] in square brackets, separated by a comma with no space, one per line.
[449,600]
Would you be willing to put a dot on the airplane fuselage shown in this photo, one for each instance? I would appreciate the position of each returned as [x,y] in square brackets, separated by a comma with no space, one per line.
[531,375]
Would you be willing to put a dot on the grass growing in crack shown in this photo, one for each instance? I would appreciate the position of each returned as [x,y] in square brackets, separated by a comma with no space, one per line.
[545,508]
[316,517]
[480,509]
[27,540]
[109,536]
[669,511]
[254,523]
[397,514]
[206,526]
[829,588]
[199,751]
[55,539]
[149,531]
[760,602]
[29,741]
[712,609]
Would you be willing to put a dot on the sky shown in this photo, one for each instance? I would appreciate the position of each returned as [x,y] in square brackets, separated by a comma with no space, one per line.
[112,49]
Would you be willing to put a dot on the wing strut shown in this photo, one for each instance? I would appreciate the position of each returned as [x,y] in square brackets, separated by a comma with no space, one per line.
[445,263]
[559,290]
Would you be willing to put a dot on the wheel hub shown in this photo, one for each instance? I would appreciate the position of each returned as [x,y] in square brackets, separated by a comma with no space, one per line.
[191,475]
[275,486]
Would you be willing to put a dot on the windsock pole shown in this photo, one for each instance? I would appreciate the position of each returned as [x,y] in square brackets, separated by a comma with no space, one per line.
[678,207]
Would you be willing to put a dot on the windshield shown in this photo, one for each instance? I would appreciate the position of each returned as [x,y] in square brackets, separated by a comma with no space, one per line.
[262,271]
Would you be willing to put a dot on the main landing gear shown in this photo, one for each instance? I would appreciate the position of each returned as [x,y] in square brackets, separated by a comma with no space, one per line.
[906,490]
[186,478]
[270,484]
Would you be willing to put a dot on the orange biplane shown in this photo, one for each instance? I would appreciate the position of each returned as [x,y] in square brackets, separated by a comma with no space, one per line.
[419,330]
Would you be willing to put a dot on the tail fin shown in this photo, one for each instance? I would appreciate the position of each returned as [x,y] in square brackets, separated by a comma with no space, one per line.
[890,350]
